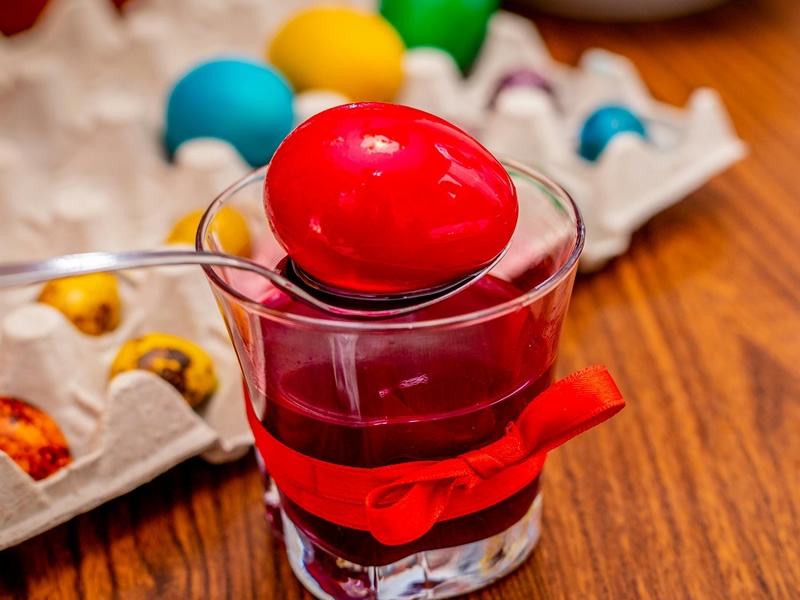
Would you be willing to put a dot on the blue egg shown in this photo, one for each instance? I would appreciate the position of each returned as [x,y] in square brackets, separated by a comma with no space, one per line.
[245,103]
[602,125]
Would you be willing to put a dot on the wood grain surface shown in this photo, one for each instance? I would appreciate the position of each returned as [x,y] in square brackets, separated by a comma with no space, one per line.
[692,492]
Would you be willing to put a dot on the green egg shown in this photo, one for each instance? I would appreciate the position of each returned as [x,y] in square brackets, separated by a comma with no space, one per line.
[456,26]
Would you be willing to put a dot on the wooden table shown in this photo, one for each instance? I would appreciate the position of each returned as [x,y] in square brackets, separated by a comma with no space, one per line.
[692,492]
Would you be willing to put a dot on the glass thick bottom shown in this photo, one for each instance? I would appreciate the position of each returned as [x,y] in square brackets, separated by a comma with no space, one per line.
[429,575]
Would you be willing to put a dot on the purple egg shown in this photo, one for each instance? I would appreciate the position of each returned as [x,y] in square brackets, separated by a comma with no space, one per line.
[521,78]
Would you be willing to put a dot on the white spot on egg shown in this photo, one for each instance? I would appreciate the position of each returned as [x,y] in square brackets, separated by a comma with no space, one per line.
[379,144]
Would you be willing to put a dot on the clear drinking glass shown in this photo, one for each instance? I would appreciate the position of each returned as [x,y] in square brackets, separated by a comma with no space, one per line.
[428,386]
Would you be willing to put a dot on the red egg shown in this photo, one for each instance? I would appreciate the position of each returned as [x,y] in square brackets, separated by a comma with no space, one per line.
[18,15]
[386,199]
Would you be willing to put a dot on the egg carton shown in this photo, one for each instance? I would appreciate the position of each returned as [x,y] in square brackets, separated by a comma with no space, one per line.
[82,168]
[634,177]
[125,431]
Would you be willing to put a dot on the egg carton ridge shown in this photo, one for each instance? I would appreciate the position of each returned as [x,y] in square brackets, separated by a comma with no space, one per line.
[633,179]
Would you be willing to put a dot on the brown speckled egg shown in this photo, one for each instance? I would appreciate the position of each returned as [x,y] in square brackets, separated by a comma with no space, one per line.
[32,439]
[176,360]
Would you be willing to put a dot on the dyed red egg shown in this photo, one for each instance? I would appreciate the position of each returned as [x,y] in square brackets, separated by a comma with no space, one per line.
[387,199]
[19,15]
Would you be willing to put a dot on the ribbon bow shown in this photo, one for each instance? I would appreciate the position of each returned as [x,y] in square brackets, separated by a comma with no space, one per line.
[400,503]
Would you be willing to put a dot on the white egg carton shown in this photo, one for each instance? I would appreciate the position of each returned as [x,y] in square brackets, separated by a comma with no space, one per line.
[632,180]
[82,169]
[122,432]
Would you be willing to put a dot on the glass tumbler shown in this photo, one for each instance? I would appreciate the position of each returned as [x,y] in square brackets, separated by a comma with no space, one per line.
[345,411]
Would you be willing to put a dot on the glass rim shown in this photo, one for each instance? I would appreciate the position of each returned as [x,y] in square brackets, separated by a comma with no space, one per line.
[538,291]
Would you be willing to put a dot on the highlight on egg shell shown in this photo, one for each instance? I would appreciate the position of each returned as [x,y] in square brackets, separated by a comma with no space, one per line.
[179,362]
[31,438]
[90,302]
[342,49]
[241,101]
[376,198]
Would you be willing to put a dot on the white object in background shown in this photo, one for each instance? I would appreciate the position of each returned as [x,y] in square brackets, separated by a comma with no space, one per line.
[633,179]
[432,82]
[309,103]
[623,10]
[83,219]
[122,432]
[145,429]
[44,357]
[201,170]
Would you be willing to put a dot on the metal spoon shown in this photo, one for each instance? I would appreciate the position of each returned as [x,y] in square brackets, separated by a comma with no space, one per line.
[28,273]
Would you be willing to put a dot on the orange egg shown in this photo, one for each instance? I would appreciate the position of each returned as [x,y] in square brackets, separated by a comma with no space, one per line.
[32,439]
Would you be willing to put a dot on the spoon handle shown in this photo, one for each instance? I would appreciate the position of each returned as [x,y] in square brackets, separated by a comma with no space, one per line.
[28,273]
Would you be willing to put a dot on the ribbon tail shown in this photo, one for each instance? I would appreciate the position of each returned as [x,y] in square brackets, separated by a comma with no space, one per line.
[569,407]
[408,518]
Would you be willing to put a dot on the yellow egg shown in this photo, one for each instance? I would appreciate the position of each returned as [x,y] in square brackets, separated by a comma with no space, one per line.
[91,302]
[354,53]
[176,360]
[229,226]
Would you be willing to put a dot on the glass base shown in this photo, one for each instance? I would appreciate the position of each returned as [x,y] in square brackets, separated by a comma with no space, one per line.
[429,575]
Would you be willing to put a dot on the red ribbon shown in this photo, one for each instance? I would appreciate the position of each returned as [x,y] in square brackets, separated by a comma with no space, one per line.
[400,503]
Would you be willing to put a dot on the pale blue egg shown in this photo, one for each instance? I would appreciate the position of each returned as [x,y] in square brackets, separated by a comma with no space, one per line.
[602,125]
[244,102]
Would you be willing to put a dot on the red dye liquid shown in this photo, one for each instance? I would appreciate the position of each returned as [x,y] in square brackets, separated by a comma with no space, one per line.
[400,396]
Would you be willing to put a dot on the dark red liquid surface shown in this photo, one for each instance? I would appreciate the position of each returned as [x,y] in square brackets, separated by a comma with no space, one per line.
[393,397]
